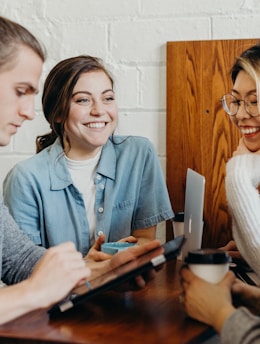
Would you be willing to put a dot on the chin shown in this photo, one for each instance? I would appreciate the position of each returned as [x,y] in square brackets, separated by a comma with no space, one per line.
[5,140]
[253,148]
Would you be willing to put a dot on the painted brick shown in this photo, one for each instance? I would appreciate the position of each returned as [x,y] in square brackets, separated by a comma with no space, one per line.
[131,38]
[144,41]
[150,124]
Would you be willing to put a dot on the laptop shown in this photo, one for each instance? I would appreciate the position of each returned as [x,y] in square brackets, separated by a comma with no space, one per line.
[193,226]
[111,279]
[193,211]
[244,272]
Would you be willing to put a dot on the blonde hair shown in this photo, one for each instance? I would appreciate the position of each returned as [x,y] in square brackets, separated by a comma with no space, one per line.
[249,62]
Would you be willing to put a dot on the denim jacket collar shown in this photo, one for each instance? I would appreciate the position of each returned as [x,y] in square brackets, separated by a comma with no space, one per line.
[107,163]
[59,175]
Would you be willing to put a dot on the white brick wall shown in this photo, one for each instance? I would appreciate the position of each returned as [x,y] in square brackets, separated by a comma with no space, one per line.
[131,38]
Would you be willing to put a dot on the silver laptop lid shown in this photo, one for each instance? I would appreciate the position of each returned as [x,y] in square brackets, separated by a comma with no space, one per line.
[193,212]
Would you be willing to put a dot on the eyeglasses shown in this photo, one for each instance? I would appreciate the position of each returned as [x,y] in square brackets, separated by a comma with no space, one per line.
[231,104]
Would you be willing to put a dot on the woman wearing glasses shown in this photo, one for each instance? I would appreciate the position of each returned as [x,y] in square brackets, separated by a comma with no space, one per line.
[243,170]
[237,325]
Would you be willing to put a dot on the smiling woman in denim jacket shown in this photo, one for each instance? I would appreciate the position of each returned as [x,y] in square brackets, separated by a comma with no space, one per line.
[85,180]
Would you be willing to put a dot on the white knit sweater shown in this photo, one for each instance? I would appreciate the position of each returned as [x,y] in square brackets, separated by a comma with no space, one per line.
[242,180]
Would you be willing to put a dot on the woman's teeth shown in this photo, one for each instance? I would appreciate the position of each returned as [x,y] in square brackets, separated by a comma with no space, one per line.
[249,130]
[96,125]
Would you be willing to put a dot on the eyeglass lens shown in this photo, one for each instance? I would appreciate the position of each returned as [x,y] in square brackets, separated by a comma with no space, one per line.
[231,104]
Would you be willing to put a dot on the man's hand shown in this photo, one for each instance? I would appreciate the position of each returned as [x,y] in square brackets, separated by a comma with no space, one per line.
[207,302]
[60,270]
[247,295]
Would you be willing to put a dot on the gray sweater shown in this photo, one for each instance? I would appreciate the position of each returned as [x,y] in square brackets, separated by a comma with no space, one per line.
[241,328]
[18,254]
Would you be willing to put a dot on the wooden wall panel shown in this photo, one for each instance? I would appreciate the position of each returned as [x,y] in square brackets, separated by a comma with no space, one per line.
[199,133]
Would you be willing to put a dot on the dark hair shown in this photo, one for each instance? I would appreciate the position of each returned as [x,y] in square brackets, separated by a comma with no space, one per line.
[13,35]
[248,61]
[57,93]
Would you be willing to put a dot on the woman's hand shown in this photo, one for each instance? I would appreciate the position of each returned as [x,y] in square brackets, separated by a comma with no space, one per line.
[232,249]
[95,252]
[122,257]
[207,302]
[132,253]
[130,238]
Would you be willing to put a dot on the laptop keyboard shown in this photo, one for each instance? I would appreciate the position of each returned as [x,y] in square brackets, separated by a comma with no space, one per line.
[244,272]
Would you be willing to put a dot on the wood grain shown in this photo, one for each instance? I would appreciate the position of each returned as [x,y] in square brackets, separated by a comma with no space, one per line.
[199,133]
[152,315]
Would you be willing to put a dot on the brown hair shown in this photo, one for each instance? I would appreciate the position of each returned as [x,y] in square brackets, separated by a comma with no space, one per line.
[13,35]
[57,93]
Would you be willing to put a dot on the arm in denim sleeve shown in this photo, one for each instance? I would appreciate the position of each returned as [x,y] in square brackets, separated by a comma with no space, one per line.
[154,204]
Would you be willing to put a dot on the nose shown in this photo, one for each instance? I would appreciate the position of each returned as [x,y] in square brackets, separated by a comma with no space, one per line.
[241,112]
[97,109]
[27,108]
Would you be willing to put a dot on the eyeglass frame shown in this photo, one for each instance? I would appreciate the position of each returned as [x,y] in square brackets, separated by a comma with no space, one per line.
[238,105]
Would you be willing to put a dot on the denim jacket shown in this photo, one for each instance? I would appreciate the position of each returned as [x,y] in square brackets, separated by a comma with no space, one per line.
[130,194]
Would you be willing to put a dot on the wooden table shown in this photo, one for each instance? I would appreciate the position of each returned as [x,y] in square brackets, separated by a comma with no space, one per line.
[152,315]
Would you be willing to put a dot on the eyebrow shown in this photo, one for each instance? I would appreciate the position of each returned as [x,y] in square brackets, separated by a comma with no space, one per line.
[249,92]
[30,87]
[89,93]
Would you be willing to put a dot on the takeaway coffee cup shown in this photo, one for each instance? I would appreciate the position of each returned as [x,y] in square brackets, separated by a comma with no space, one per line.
[178,227]
[208,264]
[178,224]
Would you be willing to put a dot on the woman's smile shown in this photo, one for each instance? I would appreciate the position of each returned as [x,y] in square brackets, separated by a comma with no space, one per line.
[96,125]
[249,131]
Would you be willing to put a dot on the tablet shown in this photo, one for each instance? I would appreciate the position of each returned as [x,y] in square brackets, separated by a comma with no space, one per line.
[113,278]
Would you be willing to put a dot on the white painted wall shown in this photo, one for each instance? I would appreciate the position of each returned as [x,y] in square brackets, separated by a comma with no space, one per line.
[130,36]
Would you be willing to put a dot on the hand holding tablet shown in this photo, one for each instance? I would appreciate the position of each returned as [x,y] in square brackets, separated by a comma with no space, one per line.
[114,247]
[115,277]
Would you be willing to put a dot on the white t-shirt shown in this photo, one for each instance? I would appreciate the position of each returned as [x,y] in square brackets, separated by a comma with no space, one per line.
[83,173]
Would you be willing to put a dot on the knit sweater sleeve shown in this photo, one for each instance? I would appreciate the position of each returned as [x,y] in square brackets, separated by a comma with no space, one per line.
[242,179]
[18,254]
[241,327]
